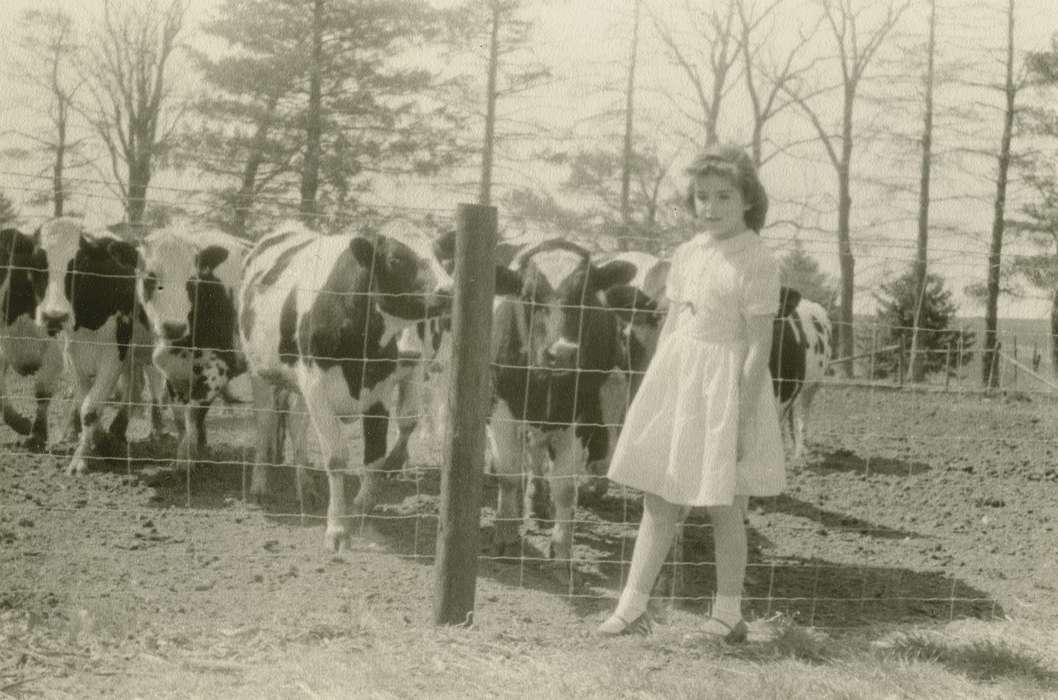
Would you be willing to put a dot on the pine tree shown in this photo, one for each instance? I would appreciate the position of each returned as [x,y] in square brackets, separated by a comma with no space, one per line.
[939,342]
[317,104]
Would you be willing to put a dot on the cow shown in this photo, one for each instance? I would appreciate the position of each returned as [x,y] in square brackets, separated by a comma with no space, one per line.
[23,346]
[185,282]
[85,287]
[553,348]
[319,318]
[800,352]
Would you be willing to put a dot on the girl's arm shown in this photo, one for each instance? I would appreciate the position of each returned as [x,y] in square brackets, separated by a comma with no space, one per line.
[754,369]
[669,324]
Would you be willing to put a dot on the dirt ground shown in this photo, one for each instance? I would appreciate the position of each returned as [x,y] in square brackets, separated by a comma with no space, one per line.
[912,508]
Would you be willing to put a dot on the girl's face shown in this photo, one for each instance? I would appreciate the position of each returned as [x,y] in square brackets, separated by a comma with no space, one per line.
[718,206]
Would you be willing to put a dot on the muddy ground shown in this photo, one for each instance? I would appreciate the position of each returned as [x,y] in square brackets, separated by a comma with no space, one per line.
[912,508]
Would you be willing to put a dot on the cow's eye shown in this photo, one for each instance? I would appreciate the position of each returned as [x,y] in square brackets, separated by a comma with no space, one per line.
[150,283]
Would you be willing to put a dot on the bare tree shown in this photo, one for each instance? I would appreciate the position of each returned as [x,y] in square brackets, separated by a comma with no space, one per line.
[855,47]
[627,151]
[49,55]
[126,74]
[767,74]
[709,65]
[917,359]
[1012,84]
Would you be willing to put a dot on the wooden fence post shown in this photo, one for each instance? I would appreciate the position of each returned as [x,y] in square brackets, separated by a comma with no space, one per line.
[455,567]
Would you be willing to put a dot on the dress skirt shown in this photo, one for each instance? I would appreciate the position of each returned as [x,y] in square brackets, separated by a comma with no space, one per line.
[680,435]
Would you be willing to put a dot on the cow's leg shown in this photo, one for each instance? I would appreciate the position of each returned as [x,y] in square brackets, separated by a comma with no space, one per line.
[159,398]
[613,400]
[375,425]
[95,394]
[192,443]
[533,463]
[295,420]
[570,456]
[14,420]
[266,423]
[506,446]
[44,385]
[335,458]
[800,417]
[407,410]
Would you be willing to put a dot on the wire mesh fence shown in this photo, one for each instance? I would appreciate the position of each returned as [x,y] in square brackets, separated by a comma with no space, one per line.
[881,522]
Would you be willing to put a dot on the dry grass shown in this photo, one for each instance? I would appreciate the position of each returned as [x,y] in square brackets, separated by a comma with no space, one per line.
[384,658]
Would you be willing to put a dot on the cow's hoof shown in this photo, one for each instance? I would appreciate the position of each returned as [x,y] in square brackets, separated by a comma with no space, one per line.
[336,540]
[507,550]
[593,491]
[77,467]
[565,575]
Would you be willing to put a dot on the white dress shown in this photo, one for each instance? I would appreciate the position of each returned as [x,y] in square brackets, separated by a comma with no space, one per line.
[680,435]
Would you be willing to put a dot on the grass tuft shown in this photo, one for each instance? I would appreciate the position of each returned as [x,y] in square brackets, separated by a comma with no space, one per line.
[984,660]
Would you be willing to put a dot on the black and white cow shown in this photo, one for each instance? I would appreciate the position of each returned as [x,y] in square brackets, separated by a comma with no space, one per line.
[319,316]
[800,352]
[553,347]
[85,286]
[25,347]
[186,282]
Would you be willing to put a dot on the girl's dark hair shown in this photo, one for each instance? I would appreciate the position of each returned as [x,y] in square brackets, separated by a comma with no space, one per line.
[734,163]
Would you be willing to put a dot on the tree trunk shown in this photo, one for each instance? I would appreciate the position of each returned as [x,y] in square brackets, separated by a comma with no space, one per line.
[989,378]
[846,329]
[57,193]
[139,182]
[1054,332]
[626,165]
[310,174]
[247,190]
[485,191]
[918,356]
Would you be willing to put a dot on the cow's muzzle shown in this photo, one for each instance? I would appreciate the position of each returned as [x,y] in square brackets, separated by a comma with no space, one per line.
[174,330]
[54,322]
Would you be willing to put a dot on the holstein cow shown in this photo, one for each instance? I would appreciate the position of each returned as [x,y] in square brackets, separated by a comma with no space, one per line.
[86,289]
[553,347]
[800,353]
[319,316]
[24,347]
[186,281]
[641,306]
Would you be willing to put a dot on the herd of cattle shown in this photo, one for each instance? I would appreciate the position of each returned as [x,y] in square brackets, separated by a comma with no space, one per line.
[329,329]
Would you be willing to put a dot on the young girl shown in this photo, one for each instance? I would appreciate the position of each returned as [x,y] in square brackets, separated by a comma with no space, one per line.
[703,429]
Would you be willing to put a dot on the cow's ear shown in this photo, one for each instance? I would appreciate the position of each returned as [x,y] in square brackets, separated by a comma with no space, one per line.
[207,259]
[612,274]
[363,251]
[623,297]
[8,242]
[444,248]
[125,254]
[788,301]
[24,245]
[508,281]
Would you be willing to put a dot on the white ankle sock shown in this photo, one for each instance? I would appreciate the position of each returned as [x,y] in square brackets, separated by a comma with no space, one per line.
[728,608]
[632,604]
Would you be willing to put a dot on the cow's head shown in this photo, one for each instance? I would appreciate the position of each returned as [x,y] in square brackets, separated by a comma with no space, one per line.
[568,323]
[174,275]
[641,306]
[405,272]
[68,263]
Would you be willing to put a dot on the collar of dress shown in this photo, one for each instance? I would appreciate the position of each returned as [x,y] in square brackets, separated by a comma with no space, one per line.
[732,244]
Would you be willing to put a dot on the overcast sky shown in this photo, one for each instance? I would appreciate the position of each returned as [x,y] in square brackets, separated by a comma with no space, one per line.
[586,42]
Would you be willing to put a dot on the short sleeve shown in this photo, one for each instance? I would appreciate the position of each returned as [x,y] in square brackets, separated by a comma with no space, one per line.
[760,285]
